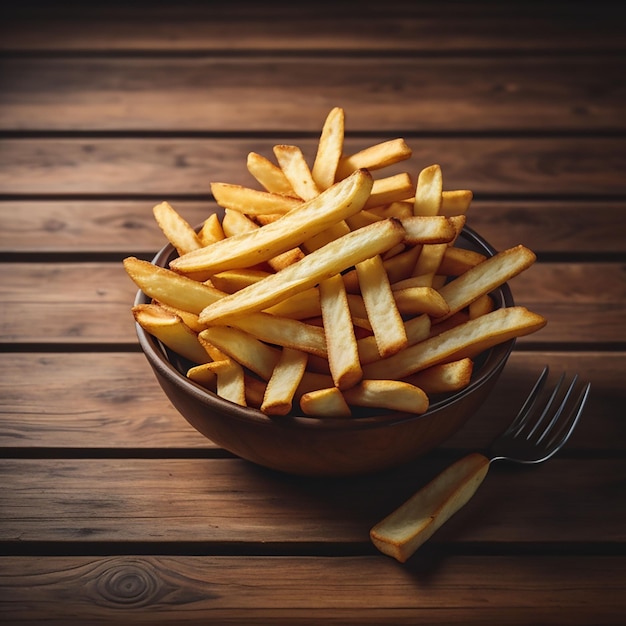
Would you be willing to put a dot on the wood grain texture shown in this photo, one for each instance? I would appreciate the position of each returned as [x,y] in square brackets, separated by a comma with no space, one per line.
[447,94]
[118,405]
[509,166]
[347,26]
[262,590]
[210,501]
[90,302]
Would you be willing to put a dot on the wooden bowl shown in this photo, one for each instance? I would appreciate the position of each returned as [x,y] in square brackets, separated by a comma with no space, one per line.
[304,445]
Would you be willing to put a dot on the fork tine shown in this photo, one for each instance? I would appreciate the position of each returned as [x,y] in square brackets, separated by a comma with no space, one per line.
[548,406]
[529,403]
[559,439]
[559,411]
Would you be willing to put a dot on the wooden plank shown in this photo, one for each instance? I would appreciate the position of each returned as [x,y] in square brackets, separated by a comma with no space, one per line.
[179,167]
[177,589]
[117,404]
[78,303]
[127,227]
[531,94]
[222,501]
[397,26]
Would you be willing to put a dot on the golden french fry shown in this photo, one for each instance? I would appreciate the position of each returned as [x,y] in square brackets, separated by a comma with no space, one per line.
[331,259]
[327,402]
[211,231]
[230,281]
[391,189]
[254,389]
[484,304]
[289,257]
[171,288]
[380,304]
[242,347]
[268,174]
[177,231]
[230,380]
[455,202]
[284,382]
[300,224]
[252,201]
[444,378]
[416,300]
[170,330]
[404,530]
[296,170]
[417,329]
[400,210]
[428,262]
[300,306]
[326,236]
[394,395]
[283,331]
[204,374]
[374,157]
[428,191]
[464,340]
[360,219]
[190,319]
[485,277]
[431,229]
[343,354]
[329,149]
[457,261]
[235,223]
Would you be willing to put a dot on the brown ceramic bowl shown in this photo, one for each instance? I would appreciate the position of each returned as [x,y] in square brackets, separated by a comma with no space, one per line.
[304,445]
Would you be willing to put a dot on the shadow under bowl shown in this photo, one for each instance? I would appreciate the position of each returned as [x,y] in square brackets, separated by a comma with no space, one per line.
[310,446]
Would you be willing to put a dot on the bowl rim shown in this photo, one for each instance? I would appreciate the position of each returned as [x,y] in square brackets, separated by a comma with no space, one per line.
[156,354]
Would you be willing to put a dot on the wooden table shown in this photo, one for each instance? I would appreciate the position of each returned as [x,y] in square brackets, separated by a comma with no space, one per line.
[112,509]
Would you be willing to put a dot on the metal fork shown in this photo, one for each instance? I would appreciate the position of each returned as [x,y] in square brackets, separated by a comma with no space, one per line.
[538,432]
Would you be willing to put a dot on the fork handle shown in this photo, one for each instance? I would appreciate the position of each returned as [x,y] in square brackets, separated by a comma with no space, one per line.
[404,530]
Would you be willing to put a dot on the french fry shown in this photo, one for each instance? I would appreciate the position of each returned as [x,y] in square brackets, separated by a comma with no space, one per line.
[230,281]
[169,287]
[177,231]
[204,374]
[283,331]
[394,395]
[331,259]
[170,330]
[455,202]
[269,175]
[211,231]
[390,189]
[327,402]
[230,381]
[252,201]
[343,353]
[374,157]
[300,224]
[189,319]
[444,378]
[484,304]
[433,229]
[329,149]
[380,304]
[464,340]
[296,170]
[428,197]
[243,348]
[416,300]
[300,306]
[254,389]
[485,277]
[457,261]
[400,210]
[284,382]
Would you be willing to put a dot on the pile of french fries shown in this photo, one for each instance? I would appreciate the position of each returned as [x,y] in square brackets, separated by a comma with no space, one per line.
[326,289]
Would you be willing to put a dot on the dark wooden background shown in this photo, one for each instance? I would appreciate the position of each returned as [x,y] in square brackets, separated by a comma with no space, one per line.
[111,507]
